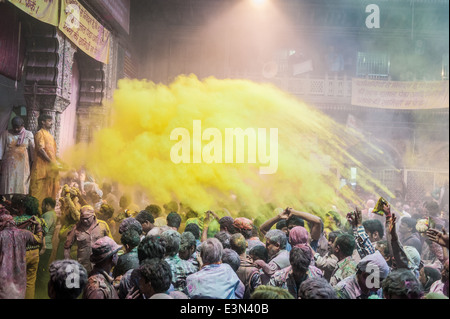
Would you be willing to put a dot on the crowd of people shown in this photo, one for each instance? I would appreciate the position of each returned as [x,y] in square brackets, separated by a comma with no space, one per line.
[186,255]
[86,240]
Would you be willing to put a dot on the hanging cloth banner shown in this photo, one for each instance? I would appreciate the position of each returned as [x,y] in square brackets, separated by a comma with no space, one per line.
[400,95]
[84,30]
[43,10]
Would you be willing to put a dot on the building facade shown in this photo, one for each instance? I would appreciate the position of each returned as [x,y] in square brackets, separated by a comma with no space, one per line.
[56,66]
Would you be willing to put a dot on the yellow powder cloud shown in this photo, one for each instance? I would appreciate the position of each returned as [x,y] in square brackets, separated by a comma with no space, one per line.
[135,150]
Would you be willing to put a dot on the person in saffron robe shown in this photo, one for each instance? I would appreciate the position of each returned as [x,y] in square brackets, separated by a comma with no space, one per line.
[45,172]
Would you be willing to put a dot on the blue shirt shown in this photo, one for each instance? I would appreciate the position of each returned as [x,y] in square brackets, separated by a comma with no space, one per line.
[288,246]
[217,281]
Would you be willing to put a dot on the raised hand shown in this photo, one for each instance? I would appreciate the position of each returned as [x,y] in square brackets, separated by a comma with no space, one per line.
[358,216]
[392,228]
[285,213]
[34,220]
[259,263]
[133,293]
[438,237]
[355,217]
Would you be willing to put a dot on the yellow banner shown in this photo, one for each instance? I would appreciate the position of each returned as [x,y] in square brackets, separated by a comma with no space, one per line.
[43,10]
[400,95]
[84,30]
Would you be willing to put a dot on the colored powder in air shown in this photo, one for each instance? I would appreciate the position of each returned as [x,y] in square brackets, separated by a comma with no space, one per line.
[135,149]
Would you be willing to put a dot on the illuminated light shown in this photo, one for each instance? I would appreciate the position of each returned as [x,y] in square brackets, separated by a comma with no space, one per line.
[259,2]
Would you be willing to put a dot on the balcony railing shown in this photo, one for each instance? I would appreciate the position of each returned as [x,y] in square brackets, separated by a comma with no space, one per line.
[313,87]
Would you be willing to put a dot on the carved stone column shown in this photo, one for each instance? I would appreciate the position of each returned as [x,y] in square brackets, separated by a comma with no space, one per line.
[83,134]
[32,110]
[48,75]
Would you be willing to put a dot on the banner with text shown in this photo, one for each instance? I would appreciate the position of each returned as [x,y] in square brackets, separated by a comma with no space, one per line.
[43,10]
[84,30]
[400,95]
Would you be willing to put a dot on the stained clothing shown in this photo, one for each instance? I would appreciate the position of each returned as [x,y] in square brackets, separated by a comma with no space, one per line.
[15,162]
[326,263]
[13,243]
[284,278]
[70,215]
[32,251]
[363,243]
[344,268]
[252,242]
[279,261]
[85,238]
[44,177]
[350,289]
[249,275]
[50,219]
[99,286]
[414,241]
[180,270]
[217,281]
[126,262]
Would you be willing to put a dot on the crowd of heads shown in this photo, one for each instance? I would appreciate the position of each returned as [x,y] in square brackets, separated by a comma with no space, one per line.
[278,259]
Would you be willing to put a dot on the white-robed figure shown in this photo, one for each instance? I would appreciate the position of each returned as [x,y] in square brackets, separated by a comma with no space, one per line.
[16,152]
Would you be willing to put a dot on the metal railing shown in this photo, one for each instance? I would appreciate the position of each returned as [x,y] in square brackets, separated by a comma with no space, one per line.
[326,86]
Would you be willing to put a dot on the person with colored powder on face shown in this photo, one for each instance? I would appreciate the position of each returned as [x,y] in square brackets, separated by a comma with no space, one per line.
[299,235]
[246,227]
[343,248]
[13,242]
[85,233]
[180,268]
[104,257]
[247,272]
[50,218]
[278,255]
[27,208]
[296,218]
[298,270]
[16,151]
[328,262]
[70,203]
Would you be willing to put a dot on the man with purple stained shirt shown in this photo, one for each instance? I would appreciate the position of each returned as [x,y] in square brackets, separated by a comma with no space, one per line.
[13,242]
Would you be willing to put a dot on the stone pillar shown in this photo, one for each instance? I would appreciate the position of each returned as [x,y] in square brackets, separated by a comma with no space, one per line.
[32,110]
[83,134]
[48,75]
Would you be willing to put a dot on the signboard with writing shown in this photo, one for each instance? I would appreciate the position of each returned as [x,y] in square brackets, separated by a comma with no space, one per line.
[43,10]
[400,95]
[84,30]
